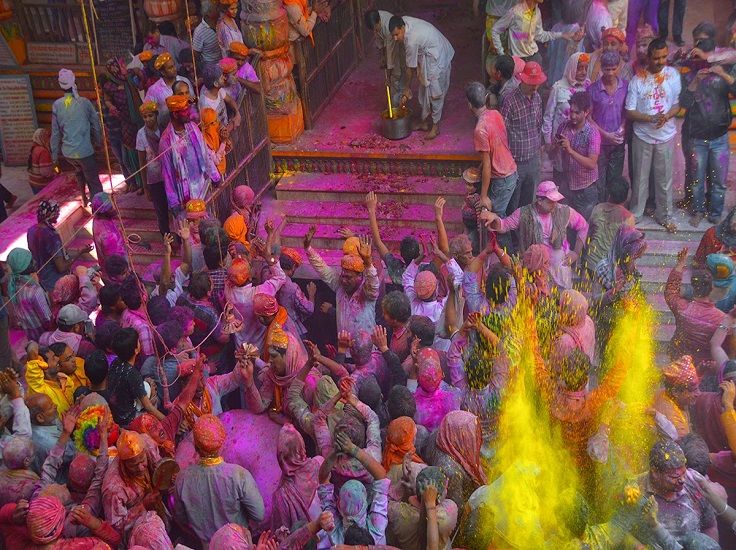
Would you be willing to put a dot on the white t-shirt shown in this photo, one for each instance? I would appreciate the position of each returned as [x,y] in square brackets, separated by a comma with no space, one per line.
[217,104]
[153,167]
[652,94]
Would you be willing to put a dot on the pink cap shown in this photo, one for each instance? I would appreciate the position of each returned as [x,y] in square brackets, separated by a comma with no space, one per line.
[548,190]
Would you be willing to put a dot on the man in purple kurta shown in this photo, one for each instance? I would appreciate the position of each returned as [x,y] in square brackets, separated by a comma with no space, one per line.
[185,165]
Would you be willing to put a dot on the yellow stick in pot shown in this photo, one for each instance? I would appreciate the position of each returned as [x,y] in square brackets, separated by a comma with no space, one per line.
[390,109]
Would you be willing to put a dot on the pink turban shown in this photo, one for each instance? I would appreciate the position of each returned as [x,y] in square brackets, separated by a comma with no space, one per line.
[150,532]
[429,369]
[243,196]
[265,305]
[81,472]
[425,285]
[536,258]
[66,290]
[573,308]
[233,537]
[681,374]
[45,519]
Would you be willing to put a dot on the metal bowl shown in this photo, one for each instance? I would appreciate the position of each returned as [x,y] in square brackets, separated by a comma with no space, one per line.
[398,127]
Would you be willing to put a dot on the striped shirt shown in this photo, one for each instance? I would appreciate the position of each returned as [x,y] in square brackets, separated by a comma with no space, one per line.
[204,41]
[32,309]
[137,320]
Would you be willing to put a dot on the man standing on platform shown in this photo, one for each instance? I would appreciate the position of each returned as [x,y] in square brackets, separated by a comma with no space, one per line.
[428,57]
[75,129]
[393,58]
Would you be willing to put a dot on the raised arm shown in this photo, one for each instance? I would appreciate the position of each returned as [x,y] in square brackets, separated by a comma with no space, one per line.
[717,352]
[443,243]
[371,465]
[371,283]
[674,284]
[371,203]
[324,271]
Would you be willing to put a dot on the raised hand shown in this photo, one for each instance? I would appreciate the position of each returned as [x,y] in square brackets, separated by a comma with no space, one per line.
[365,249]
[371,202]
[343,443]
[682,257]
[345,232]
[311,290]
[380,338]
[312,351]
[168,241]
[729,394]
[344,341]
[439,207]
[69,420]
[309,236]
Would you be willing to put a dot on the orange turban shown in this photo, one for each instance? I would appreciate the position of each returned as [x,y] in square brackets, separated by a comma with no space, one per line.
[130,444]
[681,374]
[425,284]
[195,208]
[265,305]
[238,48]
[351,262]
[209,434]
[614,32]
[145,55]
[399,441]
[293,255]
[228,65]
[239,272]
[148,107]
[351,246]
[279,338]
[162,60]
[175,103]
[236,228]
[584,58]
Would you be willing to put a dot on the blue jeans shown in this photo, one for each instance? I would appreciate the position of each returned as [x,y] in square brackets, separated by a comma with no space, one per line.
[709,156]
[500,192]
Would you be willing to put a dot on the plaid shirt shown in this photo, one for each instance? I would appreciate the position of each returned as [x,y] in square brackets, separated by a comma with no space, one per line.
[523,118]
[217,279]
[138,321]
[32,309]
[587,141]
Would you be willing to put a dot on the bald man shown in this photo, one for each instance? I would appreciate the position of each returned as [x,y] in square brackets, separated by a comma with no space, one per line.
[45,429]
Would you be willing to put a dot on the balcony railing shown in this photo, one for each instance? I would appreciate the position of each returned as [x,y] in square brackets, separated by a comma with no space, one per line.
[43,22]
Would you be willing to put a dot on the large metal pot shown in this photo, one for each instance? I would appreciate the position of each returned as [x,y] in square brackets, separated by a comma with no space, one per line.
[398,127]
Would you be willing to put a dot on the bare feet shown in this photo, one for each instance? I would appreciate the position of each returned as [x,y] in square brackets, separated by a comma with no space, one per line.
[434,132]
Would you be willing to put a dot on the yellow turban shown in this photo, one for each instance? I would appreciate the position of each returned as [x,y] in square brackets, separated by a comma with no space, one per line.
[236,228]
[351,246]
[196,209]
[162,60]
[148,107]
[238,48]
[176,103]
[279,338]
[129,444]
[351,262]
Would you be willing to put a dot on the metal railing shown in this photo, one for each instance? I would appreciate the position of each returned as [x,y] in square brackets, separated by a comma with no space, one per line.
[249,160]
[323,67]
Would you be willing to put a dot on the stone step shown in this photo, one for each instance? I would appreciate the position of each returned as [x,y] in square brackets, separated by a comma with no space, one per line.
[663,253]
[685,231]
[332,188]
[135,207]
[665,316]
[327,237]
[391,214]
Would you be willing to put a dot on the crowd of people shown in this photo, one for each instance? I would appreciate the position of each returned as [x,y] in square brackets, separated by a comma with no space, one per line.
[214,400]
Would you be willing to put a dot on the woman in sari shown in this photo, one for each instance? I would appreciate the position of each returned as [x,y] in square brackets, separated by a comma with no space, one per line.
[227,28]
[455,448]
[294,499]
[40,165]
[433,397]
[576,328]
[574,79]
[213,138]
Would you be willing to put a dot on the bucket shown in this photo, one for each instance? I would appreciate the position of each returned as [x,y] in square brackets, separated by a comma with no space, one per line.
[398,127]
[286,128]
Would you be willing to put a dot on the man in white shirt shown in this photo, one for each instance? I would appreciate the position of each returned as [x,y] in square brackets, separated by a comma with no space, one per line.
[428,57]
[393,58]
[651,104]
[524,23]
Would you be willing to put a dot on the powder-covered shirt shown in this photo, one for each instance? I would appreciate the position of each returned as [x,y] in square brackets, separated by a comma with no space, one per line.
[489,137]
[653,94]
[608,110]
[75,127]
[523,118]
[153,167]
[525,30]
[586,141]
[357,311]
